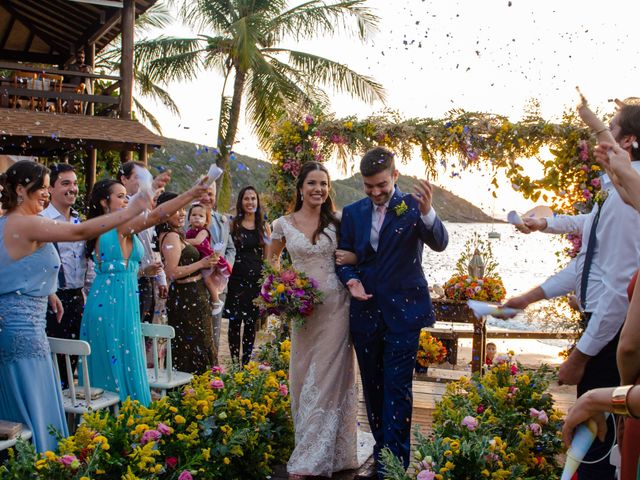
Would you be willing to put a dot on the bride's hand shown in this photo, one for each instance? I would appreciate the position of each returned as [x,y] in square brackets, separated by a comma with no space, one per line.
[345,257]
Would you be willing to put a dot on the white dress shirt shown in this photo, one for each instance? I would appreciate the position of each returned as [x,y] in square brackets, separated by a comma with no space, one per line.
[616,257]
[72,257]
[376,223]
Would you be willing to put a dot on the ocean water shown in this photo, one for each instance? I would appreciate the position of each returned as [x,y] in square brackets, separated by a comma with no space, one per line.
[524,261]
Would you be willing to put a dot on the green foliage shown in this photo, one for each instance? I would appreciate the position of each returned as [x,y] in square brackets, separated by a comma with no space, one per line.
[461,140]
[484,247]
[502,426]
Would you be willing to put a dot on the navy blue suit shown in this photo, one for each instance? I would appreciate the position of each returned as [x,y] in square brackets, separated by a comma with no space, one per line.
[385,328]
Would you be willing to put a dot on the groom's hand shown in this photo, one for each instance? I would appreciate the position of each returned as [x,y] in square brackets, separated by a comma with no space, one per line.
[357,290]
[424,195]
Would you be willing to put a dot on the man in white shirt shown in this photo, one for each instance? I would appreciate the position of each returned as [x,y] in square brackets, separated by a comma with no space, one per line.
[151,274]
[73,269]
[599,276]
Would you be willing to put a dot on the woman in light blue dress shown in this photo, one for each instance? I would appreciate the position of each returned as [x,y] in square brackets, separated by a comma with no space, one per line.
[111,320]
[29,266]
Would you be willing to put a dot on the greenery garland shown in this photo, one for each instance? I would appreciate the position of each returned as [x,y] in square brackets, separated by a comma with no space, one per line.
[476,140]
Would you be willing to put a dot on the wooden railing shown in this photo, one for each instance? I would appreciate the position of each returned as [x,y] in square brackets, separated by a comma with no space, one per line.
[49,89]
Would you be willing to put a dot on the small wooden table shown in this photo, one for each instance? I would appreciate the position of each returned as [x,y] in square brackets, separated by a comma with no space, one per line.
[458,312]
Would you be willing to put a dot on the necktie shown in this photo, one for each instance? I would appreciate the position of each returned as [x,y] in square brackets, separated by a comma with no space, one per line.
[382,210]
[588,258]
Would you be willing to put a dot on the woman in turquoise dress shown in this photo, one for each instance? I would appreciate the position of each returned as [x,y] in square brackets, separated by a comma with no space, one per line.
[111,320]
[29,393]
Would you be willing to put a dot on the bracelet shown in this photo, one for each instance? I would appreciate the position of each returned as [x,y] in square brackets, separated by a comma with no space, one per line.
[603,130]
[619,399]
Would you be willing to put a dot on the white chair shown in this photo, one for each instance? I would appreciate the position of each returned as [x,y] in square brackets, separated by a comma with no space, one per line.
[163,378]
[24,434]
[75,402]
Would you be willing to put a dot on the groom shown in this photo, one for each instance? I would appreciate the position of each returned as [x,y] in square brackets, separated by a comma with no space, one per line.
[391,301]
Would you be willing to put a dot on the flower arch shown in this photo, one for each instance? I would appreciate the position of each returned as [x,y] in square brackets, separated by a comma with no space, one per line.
[476,140]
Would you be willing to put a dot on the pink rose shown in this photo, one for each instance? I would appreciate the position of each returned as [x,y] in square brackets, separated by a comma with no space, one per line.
[288,276]
[263,367]
[535,429]
[284,391]
[163,429]
[171,462]
[217,383]
[514,369]
[217,368]
[470,422]
[543,418]
[150,436]
[426,475]
[67,460]
[595,182]
[185,475]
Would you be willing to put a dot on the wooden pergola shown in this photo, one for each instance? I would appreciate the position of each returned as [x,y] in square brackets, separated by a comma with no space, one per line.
[43,37]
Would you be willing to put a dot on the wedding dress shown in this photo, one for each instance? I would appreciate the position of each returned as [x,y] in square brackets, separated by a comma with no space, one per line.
[324,399]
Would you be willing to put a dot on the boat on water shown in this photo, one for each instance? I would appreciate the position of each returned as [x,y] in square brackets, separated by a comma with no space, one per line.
[494,234]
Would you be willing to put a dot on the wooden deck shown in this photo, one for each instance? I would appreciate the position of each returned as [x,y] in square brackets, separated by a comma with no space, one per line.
[426,392]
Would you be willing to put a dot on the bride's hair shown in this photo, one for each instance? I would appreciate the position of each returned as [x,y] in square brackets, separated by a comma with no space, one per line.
[327,210]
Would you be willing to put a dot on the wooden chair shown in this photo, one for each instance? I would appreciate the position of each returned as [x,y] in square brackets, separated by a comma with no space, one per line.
[73,106]
[79,402]
[163,378]
[26,80]
[25,434]
[52,83]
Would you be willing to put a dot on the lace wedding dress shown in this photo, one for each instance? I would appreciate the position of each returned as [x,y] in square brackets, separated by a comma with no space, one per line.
[324,400]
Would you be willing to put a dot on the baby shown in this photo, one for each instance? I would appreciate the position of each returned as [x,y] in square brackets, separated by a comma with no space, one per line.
[199,236]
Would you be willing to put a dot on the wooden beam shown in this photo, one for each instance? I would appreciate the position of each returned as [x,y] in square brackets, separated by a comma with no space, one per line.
[144,154]
[111,22]
[15,55]
[28,22]
[91,165]
[126,64]
[5,37]
[103,3]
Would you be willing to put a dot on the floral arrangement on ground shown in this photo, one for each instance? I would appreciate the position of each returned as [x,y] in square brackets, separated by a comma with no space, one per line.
[430,350]
[234,424]
[499,426]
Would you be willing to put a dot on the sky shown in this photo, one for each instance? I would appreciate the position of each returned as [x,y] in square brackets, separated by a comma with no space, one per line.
[433,56]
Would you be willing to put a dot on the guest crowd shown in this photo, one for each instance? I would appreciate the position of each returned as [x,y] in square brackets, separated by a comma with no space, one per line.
[96,278]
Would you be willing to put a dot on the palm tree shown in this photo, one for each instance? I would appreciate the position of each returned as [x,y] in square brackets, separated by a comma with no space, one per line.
[242,41]
[156,17]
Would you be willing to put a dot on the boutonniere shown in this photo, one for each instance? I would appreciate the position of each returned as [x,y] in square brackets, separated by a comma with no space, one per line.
[401,208]
[223,218]
[601,196]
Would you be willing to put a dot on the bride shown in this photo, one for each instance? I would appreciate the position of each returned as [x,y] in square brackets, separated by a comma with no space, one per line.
[324,399]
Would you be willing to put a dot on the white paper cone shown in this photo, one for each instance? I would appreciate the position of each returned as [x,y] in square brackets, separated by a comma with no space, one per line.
[214,173]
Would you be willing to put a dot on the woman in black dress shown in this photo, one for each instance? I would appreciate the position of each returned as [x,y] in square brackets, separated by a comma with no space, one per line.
[249,232]
[188,310]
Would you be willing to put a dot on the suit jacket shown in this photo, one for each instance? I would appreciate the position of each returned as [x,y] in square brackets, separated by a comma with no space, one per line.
[223,225]
[393,273]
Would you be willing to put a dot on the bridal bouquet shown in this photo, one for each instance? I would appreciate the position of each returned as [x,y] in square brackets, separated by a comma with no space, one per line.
[288,294]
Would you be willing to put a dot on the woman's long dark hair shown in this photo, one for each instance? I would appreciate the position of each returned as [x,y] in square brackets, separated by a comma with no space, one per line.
[327,210]
[100,191]
[165,227]
[258,220]
[27,173]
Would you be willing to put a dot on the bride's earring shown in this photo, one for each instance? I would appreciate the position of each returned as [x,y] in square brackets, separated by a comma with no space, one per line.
[20,199]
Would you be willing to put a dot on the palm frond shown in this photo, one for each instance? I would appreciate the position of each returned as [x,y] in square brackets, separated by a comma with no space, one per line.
[157,16]
[203,15]
[335,75]
[316,18]
[166,59]
[147,88]
[147,115]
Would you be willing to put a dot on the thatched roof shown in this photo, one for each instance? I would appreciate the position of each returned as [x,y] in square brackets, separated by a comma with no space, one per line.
[43,134]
